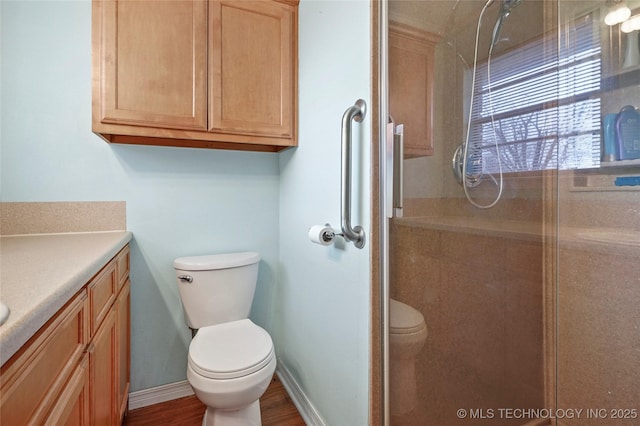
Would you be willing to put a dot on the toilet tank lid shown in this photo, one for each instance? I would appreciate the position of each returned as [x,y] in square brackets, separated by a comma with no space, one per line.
[216,261]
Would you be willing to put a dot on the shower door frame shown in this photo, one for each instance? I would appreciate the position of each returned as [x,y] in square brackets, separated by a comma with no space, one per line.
[550,233]
[379,338]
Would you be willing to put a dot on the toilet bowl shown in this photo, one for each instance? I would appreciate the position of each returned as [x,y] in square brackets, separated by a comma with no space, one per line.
[231,360]
[407,334]
[230,366]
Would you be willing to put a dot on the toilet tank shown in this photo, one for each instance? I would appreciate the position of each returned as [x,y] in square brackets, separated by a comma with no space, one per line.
[217,288]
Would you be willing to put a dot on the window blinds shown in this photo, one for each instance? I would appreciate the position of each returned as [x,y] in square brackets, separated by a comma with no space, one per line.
[541,103]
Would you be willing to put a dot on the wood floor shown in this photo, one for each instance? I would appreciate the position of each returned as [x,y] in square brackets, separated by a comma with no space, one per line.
[276,409]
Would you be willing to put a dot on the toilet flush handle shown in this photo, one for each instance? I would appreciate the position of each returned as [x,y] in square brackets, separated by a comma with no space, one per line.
[187,278]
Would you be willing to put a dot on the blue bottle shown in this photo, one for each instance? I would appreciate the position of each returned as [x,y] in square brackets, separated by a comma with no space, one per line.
[610,136]
[628,133]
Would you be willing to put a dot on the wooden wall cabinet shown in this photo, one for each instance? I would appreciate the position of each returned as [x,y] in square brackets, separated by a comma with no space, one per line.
[411,65]
[196,73]
[75,370]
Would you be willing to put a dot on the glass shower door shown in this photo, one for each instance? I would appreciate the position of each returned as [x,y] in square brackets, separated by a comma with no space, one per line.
[598,214]
[473,274]
[513,270]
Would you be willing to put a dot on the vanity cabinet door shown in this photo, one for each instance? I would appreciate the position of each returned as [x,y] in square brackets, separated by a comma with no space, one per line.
[123,321]
[102,370]
[109,351]
[411,64]
[32,381]
[72,408]
[102,294]
[123,264]
[75,369]
[152,56]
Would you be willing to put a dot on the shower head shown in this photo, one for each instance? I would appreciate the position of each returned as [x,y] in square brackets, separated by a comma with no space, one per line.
[507,5]
[505,10]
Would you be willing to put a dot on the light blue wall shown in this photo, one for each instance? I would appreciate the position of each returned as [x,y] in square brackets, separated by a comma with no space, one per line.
[322,323]
[179,201]
[314,300]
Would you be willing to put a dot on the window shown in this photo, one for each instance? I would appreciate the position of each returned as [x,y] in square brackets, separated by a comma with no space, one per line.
[541,103]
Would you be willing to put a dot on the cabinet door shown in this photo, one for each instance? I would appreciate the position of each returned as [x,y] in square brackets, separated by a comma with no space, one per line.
[252,78]
[411,60]
[32,380]
[102,294]
[102,370]
[152,63]
[123,264]
[72,408]
[123,317]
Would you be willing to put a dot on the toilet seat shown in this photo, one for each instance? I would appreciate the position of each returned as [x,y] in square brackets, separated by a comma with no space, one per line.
[404,319]
[230,350]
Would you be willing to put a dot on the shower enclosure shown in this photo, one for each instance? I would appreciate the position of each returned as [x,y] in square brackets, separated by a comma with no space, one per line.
[518,234]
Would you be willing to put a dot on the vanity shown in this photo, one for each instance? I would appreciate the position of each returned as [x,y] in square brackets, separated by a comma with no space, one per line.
[64,348]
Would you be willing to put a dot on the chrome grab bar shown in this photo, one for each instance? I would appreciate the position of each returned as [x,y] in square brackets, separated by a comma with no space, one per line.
[356,113]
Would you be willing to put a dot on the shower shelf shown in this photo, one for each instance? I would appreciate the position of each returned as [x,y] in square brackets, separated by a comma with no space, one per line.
[621,163]
[621,80]
[604,177]
[604,188]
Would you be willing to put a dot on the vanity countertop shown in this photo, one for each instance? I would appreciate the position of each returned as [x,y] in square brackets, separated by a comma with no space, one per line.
[41,272]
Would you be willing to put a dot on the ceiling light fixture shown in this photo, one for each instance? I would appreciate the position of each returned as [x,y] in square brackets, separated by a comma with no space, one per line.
[618,12]
[631,24]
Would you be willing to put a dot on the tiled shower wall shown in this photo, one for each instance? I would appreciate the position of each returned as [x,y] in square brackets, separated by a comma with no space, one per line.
[481,297]
[598,319]
[599,333]
[481,291]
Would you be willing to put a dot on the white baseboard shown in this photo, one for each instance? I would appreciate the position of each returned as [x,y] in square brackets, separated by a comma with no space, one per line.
[300,400]
[142,398]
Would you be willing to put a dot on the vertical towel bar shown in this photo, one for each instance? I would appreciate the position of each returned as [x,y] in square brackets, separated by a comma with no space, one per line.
[356,113]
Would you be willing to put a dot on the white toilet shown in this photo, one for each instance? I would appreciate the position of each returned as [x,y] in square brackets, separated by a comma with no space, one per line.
[231,359]
[407,334]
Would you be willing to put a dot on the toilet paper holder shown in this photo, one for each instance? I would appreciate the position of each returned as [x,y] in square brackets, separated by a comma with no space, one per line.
[328,235]
[323,234]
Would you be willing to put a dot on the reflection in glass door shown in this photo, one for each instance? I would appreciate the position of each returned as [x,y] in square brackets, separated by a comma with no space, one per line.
[598,215]
[513,273]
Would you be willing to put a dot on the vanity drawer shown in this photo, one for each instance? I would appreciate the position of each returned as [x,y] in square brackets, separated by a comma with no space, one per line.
[72,408]
[34,376]
[102,294]
[123,265]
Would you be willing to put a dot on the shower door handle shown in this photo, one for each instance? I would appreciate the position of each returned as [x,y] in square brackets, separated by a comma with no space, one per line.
[398,170]
[353,113]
